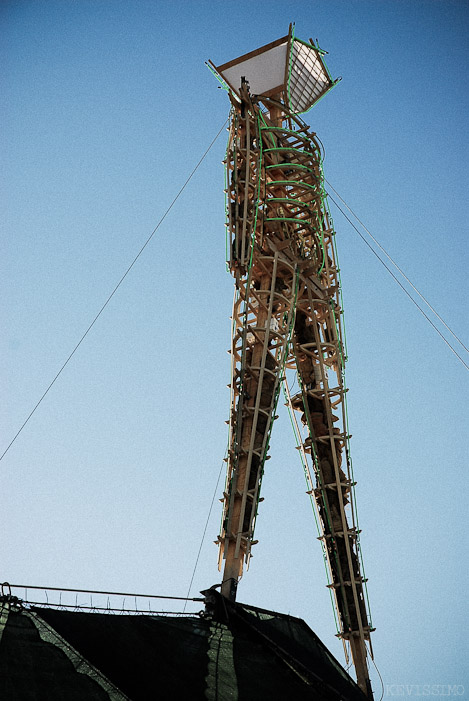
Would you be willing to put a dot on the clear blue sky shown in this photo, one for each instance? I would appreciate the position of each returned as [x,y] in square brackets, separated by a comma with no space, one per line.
[108,108]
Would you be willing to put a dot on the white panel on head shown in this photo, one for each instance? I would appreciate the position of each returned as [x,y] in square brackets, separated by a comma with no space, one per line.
[308,78]
[263,72]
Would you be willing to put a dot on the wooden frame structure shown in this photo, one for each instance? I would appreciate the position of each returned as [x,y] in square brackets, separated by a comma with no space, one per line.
[287,314]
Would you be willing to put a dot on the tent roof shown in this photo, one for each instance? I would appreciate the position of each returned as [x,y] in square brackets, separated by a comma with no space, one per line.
[235,652]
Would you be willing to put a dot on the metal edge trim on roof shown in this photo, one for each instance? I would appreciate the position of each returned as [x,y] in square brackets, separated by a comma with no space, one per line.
[252,54]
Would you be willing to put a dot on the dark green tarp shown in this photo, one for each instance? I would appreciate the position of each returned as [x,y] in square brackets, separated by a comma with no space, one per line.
[234,653]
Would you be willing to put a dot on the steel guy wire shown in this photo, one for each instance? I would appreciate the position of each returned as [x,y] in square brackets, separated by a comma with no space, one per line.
[203,534]
[396,266]
[399,282]
[112,293]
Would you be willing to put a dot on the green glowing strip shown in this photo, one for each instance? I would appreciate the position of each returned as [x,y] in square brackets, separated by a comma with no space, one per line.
[320,98]
[323,53]
[298,203]
[321,233]
[309,45]
[290,64]
[253,235]
[258,194]
[297,166]
[228,232]
[321,243]
[222,519]
[291,148]
[354,494]
[277,393]
[334,245]
[223,85]
[265,128]
[342,359]
[313,449]
[368,607]
[296,221]
[350,462]
[324,499]
[298,445]
[248,283]
[347,429]
[312,502]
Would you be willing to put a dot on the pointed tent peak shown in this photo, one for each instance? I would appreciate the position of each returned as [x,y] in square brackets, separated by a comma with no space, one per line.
[288,68]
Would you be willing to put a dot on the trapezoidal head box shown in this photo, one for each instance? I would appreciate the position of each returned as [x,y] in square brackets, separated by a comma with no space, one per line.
[287,69]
